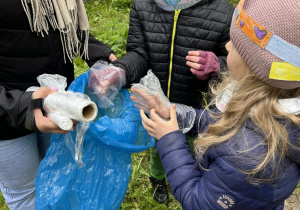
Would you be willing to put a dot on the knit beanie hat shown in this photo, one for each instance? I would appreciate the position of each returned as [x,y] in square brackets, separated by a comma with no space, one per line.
[267,36]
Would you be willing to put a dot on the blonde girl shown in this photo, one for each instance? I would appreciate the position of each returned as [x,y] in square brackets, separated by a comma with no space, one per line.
[247,153]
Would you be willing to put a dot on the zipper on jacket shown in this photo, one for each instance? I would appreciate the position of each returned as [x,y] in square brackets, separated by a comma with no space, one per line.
[176,14]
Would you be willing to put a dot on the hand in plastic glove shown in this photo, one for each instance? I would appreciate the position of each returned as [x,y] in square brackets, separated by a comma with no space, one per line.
[44,124]
[100,80]
[158,127]
[203,64]
[142,99]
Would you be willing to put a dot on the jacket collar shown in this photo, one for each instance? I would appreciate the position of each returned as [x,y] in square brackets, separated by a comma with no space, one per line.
[171,5]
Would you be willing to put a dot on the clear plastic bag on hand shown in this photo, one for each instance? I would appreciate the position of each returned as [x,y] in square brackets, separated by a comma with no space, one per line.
[105,81]
[148,94]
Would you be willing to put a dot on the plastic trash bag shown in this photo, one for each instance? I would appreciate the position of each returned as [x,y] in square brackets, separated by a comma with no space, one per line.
[144,93]
[108,143]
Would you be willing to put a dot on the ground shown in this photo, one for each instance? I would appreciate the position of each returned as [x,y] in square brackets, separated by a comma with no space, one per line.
[293,202]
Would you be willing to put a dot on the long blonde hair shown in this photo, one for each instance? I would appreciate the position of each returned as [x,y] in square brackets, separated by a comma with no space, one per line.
[255,100]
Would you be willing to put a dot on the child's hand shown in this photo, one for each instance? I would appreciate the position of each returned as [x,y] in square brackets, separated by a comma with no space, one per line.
[158,127]
[142,100]
[100,80]
[203,64]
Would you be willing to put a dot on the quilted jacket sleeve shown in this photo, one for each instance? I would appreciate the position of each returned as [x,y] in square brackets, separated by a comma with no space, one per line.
[219,186]
[13,106]
[136,61]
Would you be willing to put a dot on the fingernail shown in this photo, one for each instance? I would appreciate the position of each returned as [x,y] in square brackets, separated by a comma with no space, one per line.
[54,88]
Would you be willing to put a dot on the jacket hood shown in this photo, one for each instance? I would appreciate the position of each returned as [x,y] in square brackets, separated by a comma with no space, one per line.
[170,5]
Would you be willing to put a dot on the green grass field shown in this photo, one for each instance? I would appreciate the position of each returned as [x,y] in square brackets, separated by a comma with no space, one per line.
[109,23]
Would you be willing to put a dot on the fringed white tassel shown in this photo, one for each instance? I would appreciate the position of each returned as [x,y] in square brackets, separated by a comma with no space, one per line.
[68,16]
[84,28]
[72,42]
[27,11]
[72,8]
[39,20]
[50,13]
[84,53]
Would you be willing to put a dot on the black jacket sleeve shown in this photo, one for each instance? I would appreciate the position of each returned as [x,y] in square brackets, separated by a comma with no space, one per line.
[13,106]
[136,61]
[97,51]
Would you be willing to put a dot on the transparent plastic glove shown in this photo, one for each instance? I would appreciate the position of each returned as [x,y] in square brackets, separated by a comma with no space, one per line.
[148,94]
[186,116]
[203,64]
[146,99]
[105,81]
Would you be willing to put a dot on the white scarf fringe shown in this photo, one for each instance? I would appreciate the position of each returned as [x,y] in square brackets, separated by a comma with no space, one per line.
[68,16]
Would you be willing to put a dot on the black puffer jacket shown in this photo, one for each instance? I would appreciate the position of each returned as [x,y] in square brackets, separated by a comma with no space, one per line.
[204,26]
[23,56]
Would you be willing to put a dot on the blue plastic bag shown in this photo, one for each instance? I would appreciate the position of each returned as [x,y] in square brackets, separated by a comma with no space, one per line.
[107,147]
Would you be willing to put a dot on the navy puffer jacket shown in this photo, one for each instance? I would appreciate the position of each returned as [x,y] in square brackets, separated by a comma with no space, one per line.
[24,55]
[223,186]
[204,26]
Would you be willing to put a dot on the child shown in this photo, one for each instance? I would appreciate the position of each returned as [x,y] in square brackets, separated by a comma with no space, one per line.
[247,151]
[166,36]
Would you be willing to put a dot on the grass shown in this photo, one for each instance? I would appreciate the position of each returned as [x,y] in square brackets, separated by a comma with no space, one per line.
[109,23]
[139,194]
[2,203]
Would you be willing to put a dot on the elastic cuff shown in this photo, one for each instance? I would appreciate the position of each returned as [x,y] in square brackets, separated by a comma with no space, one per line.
[176,131]
[30,119]
[37,103]
[35,128]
